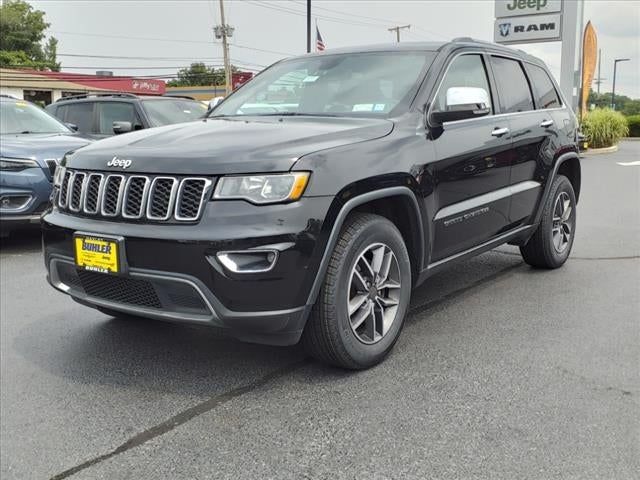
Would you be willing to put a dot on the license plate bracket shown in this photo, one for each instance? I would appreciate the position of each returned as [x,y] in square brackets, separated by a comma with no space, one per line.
[95,252]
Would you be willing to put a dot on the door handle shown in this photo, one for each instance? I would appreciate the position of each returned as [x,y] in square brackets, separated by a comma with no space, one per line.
[546,123]
[498,132]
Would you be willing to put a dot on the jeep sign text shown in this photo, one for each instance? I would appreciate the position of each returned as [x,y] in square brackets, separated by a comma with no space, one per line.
[532,28]
[510,8]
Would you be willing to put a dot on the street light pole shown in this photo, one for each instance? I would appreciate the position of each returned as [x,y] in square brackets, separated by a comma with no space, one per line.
[613,89]
[225,31]
[397,30]
[308,26]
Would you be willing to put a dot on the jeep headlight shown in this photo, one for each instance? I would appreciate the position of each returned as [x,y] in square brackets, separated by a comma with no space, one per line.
[16,164]
[58,176]
[261,189]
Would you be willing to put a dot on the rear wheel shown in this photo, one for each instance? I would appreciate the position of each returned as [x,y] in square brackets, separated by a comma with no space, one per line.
[363,301]
[550,245]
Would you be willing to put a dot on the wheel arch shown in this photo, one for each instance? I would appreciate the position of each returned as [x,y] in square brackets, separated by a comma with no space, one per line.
[567,164]
[398,204]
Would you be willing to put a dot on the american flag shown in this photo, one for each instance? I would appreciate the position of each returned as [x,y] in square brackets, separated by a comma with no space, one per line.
[319,41]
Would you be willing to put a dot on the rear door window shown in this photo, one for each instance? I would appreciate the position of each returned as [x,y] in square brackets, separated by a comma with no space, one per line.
[109,112]
[80,114]
[543,88]
[513,87]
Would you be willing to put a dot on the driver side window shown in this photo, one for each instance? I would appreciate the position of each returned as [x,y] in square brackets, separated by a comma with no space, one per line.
[464,71]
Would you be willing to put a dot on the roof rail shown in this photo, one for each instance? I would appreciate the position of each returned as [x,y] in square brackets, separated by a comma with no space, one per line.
[169,95]
[88,95]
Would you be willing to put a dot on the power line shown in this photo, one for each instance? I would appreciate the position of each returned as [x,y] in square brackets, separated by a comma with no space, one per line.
[155,39]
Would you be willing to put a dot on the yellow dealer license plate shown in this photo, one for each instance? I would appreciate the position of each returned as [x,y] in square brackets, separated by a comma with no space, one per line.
[97,254]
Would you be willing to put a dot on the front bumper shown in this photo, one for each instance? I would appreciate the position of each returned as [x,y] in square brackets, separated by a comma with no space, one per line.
[31,184]
[173,273]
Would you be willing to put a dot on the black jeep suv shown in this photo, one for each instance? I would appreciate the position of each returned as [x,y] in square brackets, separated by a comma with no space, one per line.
[315,197]
[102,115]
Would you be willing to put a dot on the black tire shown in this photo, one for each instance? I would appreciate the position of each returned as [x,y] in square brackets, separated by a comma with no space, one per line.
[328,335]
[541,250]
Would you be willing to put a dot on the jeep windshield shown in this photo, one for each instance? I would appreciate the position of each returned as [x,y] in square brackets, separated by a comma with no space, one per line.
[169,111]
[360,84]
[18,117]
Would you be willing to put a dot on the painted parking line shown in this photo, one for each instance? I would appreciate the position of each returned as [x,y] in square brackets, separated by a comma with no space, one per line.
[635,163]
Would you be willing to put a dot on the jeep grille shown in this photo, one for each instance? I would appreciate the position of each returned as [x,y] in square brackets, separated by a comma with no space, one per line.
[134,197]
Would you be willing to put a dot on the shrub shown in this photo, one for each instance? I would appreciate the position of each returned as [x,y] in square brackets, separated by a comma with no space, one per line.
[633,122]
[604,127]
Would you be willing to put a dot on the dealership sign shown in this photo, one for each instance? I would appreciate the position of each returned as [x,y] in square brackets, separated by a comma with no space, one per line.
[527,29]
[516,8]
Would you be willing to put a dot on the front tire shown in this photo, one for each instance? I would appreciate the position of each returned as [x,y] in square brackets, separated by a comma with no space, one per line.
[363,301]
[550,245]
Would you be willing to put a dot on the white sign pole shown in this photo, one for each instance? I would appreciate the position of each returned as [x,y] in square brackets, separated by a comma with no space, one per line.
[570,64]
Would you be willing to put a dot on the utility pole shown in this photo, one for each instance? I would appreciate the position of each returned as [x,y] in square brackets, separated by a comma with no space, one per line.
[599,80]
[223,31]
[397,30]
[308,26]
[613,89]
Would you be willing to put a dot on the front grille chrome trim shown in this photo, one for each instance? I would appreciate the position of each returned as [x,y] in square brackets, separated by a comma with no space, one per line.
[179,199]
[205,192]
[172,198]
[71,190]
[108,179]
[143,201]
[85,209]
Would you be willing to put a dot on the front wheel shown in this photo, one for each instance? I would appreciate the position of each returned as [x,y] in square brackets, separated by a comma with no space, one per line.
[363,301]
[550,245]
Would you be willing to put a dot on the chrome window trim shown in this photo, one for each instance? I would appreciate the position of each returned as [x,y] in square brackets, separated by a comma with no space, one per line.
[119,199]
[172,198]
[203,196]
[143,203]
[99,199]
[493,115]
[71,189]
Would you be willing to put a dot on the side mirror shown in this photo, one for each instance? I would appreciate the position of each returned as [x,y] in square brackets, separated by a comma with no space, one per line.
[213,103]
[72,126]
[122,127]
[463,103]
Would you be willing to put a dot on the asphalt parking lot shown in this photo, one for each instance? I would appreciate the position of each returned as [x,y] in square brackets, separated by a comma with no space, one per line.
[502,371]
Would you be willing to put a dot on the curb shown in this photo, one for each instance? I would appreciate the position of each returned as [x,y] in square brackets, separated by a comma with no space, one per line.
[599,151]
[631,139]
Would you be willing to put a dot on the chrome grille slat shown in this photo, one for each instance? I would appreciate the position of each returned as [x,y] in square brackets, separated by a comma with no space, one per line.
[190,198]
[112,195]
[162,197]
[135,196]
[153,198]
[75,192]
[92,194]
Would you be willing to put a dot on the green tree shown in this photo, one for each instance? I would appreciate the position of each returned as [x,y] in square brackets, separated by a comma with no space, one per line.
[22,34]
[624,104]
[199,74]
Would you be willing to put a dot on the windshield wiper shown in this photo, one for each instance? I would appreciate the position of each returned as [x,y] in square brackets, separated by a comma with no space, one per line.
[292,114]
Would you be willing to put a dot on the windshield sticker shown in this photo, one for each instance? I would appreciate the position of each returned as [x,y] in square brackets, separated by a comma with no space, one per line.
[379,107]
[362,107]
[311,78]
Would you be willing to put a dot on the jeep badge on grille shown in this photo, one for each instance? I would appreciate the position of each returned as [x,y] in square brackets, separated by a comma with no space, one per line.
[119,162]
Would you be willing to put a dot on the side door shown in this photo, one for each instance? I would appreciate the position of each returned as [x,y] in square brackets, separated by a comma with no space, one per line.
[533,130]
[471,171]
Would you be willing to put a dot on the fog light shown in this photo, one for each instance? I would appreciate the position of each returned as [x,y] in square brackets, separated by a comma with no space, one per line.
[14,202]
[248,261]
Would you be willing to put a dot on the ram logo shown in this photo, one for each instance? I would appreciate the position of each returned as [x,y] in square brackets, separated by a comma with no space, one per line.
[504,29]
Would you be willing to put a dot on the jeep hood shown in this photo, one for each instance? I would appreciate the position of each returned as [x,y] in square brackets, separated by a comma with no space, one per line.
[39,146]
[218,146]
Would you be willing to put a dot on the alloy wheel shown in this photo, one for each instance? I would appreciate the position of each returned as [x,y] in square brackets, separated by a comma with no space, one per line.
[374,293]
[562,227]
